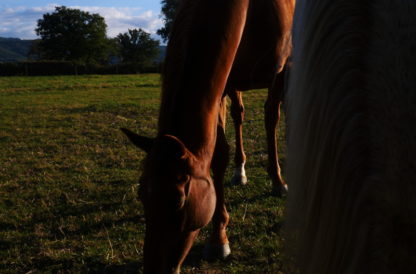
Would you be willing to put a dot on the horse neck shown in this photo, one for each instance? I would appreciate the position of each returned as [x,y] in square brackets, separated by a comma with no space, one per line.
[197,66]
[191,115]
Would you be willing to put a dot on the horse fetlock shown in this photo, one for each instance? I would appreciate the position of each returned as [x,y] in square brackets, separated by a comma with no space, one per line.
[279,189]
[239,176]
[214,251]
[239,180]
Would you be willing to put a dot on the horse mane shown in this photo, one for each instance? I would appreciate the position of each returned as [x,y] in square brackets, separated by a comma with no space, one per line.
[351,112]
[175,60]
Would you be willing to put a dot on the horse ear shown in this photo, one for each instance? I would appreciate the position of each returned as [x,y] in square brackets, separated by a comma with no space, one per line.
[173,147]
[141,142]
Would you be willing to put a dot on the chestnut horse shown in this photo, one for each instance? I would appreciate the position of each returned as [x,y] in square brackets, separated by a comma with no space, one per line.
[258,65]
[274,100]
[206,46]
[352,136]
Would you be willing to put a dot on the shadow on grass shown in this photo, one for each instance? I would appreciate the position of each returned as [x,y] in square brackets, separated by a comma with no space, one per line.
[25,244]
[97,267]
[194,258]
[76,211]
[251,200]
[88,265]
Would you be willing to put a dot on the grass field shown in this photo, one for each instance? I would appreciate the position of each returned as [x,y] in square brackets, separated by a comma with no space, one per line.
[68,179]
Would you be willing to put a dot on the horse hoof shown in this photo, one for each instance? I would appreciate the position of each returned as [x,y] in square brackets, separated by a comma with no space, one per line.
[279,190]
[216,251]
[239,180]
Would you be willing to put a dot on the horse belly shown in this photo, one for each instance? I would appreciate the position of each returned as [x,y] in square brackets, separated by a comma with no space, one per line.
[265,45]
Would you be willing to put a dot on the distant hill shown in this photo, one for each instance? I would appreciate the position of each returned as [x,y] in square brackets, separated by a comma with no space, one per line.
[14,49]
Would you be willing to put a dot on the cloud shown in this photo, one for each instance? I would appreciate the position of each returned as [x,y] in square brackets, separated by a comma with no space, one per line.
[21,22]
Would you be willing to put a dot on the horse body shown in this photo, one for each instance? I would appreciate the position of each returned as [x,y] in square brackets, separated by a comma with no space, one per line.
[265,45]
[259,63]
[351,137]
[176,188]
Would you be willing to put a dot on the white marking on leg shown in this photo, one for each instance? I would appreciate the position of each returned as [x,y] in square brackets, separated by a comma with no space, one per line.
[240,171]
[240,174]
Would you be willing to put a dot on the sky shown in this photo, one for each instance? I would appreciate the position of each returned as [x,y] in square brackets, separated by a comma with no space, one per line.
[18,18]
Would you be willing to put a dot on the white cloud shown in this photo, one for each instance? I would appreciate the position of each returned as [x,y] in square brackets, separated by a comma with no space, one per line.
[121,19]
[21,22]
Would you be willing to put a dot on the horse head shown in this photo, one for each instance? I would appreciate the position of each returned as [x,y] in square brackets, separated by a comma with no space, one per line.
[178,196]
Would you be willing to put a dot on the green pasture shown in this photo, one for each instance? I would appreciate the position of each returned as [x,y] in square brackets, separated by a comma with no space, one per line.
[68,179]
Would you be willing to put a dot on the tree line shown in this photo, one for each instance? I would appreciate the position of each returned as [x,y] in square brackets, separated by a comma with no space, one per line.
[72,35]
[73,41]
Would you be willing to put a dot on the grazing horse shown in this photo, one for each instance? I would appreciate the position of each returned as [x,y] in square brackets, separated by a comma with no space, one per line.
[206,46]
[351,114]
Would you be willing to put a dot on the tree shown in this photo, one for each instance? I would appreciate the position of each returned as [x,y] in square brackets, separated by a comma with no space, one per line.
[169,8]
[73,35]
[138,48]
[35,50]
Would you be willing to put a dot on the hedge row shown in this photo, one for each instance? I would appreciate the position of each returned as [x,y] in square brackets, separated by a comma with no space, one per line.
[69,68]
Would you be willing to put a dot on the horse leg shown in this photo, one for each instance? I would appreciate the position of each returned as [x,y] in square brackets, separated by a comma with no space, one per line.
[237,113]
[272,117]
[218,246]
